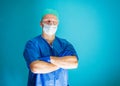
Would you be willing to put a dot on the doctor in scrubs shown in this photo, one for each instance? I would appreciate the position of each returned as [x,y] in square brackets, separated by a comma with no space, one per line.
[49,57]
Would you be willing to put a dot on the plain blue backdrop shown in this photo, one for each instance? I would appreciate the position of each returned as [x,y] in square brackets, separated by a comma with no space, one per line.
[92,26]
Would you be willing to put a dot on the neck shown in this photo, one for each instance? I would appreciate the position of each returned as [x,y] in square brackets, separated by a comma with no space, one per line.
[48,38]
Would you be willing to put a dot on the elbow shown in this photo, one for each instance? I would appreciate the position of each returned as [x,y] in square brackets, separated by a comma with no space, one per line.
[34,67]
[75,65]
[34,70]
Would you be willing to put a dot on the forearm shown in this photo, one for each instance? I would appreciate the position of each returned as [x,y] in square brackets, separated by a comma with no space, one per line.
[42,67]
[66,62]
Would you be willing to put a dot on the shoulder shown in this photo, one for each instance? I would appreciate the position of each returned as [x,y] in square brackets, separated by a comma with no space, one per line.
[33,41]
[63,41]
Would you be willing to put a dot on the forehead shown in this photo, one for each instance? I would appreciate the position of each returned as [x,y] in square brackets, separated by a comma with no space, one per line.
[50,16]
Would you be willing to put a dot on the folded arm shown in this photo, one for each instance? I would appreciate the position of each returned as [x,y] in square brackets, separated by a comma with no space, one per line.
[42,67]
[66,62]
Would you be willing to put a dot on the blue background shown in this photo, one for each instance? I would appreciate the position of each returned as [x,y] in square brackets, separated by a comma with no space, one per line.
[92,26]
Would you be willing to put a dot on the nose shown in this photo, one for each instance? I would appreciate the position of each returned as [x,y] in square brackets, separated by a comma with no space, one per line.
[51,22]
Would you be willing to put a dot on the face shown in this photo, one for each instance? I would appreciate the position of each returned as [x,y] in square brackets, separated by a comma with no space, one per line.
[49,24]
[49,19]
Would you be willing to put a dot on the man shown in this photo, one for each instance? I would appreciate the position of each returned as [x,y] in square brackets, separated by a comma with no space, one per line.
[47,56]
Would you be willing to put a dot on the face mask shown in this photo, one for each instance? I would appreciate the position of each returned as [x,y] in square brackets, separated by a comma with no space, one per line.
[50,29]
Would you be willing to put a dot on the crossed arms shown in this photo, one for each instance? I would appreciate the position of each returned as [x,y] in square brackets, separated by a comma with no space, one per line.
[65,62]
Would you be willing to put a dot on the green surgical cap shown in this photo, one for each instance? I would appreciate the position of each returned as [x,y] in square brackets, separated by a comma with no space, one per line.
[50,11]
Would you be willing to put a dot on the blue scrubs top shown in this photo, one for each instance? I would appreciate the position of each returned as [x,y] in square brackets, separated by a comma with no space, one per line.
[39,49]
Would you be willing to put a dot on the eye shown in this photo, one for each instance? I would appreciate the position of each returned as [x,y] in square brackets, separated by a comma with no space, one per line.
[48,21]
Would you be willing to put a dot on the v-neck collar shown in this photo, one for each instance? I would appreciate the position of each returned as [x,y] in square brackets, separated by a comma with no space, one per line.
[47,42]
[55,44]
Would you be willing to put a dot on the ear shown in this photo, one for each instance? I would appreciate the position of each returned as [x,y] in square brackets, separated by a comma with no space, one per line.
[41,24]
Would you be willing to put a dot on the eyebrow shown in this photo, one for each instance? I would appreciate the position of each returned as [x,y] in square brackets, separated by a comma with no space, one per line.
[50,19]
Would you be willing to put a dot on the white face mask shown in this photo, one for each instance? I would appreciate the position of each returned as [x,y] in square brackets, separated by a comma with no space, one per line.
[50,29]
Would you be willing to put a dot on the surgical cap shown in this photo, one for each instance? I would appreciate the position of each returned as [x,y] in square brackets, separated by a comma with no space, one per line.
[50,11]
